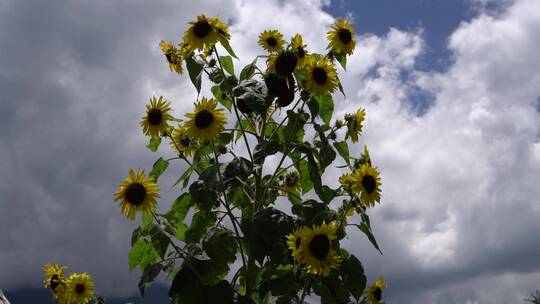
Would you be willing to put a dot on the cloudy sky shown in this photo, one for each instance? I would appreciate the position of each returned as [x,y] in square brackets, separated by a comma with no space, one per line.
[452,93]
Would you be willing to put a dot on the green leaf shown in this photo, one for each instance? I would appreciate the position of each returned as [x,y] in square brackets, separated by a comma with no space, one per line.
[313,212]
[147,219]
[195,71]
[186,287]
[199,224]
[326,152]
[342,59]
[227,63]
[264,149]
[136,235]
[142,254]
[353,276]
[314,108]
[229,49]
[221,247]
[184,178]
[303,169]
[343,149]
[154,143]
[326,107]
[149,274]
[203,197]
[158,168]
[179,209]
[248,70]
[159,240]
[221,97]
[238,168]
[367,231]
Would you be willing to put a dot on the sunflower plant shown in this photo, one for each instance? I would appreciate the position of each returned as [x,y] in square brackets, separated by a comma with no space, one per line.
[253,221]
[78,288]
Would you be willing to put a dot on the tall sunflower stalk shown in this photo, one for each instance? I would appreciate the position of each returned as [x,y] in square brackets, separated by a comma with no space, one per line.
[253,221]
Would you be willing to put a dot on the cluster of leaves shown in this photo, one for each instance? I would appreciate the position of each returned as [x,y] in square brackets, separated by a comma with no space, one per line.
[227,211]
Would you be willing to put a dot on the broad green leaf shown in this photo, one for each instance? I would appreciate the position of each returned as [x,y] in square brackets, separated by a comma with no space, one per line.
[199,224]
[136,235]
[154,143]
[179,209]
[248,70]
[326,107]
[184,178]
[147,219]
[142,254]
[221,247]
[186,287]
[227,63]
[266,148]
[160,241]
[221,97]
[203,197]
[342,59]
[148,276]
[195,70]
[314,107]
[353,276]
[306,183]
[158,168]
[229,49]
[343,149]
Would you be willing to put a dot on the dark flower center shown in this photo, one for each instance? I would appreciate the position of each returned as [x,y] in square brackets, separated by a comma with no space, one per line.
[300,53]
[154,117]
[168,55]
[291,180]
[79,288]
[319,246]
[345,36]
[54,282]
[201,29]
[298,242]
[203,119]
[271,41]
[377,294]
[185,141]
[285,63]
[319,75]
[135,194]
[369,183]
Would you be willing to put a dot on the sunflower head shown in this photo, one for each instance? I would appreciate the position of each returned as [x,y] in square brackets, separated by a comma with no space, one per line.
[355,124]
[172,54]
[271,40]
[186,50]
[341,37]
[374,292]
[80,288]
[347,181]
[294,242]
[281,87]
[55,280]
[156,120]
[221,29]
[181,143]
[368,182]
[299,48]
[291,182]
[137,192]
[321,76]
[283,63]
[316,251]
[206,122]
[201,33]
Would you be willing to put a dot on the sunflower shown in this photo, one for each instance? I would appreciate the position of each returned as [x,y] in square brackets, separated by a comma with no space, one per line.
[172,54]
[291,183]
[201,33]
[299,48]
[341,37]
[80,288]
[294,242]
[283,63]
[355,124]
[137,192]
[374,293]
[206,122]
[157,117]
[368,182]
[221,29]
[316,250]
[185,50]
[272,41]
[181,144]
[365,159]
[321,76]
[347,181]
[55,280]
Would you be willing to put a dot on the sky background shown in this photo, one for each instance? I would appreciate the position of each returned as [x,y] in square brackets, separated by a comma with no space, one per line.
[452,94]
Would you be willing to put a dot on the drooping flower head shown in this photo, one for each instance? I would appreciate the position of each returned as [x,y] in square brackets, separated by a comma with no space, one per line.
[181,143]
[321,76]
[374,293]
[206,122]
[172,54]
[355,124]
[55,280]
[291,182]
[341,37]
[316,251]
[271,40]
[299,48]
[222,30]
[156,120]
[80,288]
[294,242]
[137,192]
